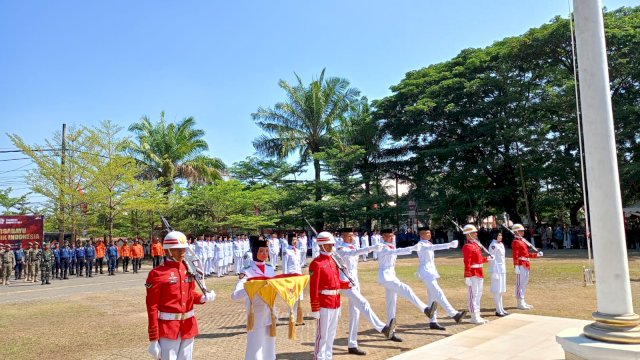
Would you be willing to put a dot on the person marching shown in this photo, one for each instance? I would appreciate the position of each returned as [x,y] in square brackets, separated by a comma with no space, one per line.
[291,265]
[171,295]
[260,345]
[521,256]
[498,274]
[357,303]
[324,290]
[429,275]
[392,285]
[473,275]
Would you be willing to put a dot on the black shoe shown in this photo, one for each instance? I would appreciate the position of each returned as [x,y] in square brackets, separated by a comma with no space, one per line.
[390,329]
[500,314]
[356,351]
[429,310]
[42,283]
[505,313]
[396,338]
[458,317]
[48,283]
[436,326]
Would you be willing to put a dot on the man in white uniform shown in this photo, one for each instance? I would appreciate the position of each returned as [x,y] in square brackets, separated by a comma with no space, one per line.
[237,254]
[260,346]
[302,243]
[274,249]
[429,275]
[291,265]
[357,302]
[375,240]
[364,243]
[218,257]
[498,270]
[392,285]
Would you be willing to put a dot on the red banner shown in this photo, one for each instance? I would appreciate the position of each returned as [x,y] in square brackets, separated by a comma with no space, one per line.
[20,230]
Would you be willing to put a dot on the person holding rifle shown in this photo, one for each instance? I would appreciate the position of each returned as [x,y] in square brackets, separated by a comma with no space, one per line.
[171,295]
[324,289]
[473,275]
[521,256]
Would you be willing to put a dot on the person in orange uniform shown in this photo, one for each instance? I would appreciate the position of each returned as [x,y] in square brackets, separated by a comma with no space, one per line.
[521,256]
[156,252]
[137,253]
[324,290]
[473,275]
[101,251]
[125,252]
[171,294]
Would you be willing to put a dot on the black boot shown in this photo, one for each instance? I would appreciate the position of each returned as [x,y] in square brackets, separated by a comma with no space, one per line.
[436,326]
[458,317]
[356,351]
[396,338]
[429,310]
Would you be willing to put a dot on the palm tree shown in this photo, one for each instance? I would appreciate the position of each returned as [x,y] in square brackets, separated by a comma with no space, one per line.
[303,122]
[173,151]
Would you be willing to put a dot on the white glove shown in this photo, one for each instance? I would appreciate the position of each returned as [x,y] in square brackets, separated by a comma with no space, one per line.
[453,244]
[467,281]
[315,314]
[154,349]
[540,254]
[210,296]
[491,258]
[517,269]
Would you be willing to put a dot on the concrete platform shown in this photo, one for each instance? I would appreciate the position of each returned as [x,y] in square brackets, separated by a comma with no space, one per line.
[514,337]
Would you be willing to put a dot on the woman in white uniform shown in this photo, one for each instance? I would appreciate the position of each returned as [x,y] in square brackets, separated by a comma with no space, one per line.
[498,270]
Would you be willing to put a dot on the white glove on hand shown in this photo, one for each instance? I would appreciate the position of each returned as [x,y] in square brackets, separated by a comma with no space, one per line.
[467,281]
[210,296]
[315,314]
[491,258]
[453,244]
[540,254]
[154,349]
[517,269]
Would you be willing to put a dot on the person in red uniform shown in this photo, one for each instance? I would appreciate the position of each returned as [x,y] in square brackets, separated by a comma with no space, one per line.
[521,256]
[170,297]
[473,275]
[324,290]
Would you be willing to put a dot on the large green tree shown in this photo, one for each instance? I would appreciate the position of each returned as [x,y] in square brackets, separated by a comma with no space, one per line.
[171,151]
[302,123]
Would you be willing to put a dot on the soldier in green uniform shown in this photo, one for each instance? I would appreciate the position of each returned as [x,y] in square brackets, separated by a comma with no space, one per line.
[35,258]
[45,258]
[8,263]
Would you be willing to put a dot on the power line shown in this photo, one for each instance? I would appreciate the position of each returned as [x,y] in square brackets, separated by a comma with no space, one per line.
[24,158]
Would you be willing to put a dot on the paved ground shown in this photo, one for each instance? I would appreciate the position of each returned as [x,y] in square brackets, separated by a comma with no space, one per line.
[105,317]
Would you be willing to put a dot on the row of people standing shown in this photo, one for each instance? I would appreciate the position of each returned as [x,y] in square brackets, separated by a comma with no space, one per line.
[221,255]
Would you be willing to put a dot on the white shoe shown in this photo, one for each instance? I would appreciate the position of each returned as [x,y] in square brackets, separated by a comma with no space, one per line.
[477,319]
[523,305]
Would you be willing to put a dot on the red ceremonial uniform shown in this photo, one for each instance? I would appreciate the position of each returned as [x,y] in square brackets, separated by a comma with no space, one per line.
[171,290]
[473,260]
[521,253]
[325,283]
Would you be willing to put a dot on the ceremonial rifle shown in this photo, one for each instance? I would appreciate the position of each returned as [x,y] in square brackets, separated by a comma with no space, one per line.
[336,258]
[506,225]
[474,240]
[191,261]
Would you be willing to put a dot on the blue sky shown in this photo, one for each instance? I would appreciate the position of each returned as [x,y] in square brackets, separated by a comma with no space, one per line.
[82,62]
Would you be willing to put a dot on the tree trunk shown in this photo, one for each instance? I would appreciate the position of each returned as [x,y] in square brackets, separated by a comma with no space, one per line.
[318,215]
[367,190]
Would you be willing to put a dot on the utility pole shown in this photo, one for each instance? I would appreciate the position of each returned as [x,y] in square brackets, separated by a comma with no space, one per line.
[61,196]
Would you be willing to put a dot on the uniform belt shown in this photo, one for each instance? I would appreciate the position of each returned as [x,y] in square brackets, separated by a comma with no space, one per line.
[522,258]
[330,292]
[476,266]
[174,316]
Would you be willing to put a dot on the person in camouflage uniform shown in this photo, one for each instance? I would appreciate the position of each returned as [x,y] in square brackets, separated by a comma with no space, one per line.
[46,259]
[35,254]
[8,263]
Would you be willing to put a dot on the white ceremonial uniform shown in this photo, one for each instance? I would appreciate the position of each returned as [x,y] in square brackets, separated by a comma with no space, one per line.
[211,250]
[237,255]
[302,241]
[199,252]
[260,346]
[228,247]
[392,285]
[315,249]
[375,240]
[218,258]
[364,243]
[428,273]
[357,303]
[274,249]
[498,270]
[291,265]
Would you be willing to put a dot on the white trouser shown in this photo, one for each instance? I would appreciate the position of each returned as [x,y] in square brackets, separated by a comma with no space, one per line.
[176,349]
[303,258]
[375,255]
[475,294]
[219,268]
[273,259]
[207,266]
[358,304]
[522,280]
[238,261]
[394,288]
[365,256]
[260,346]
[435,293]
[326,327]
[498,287]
